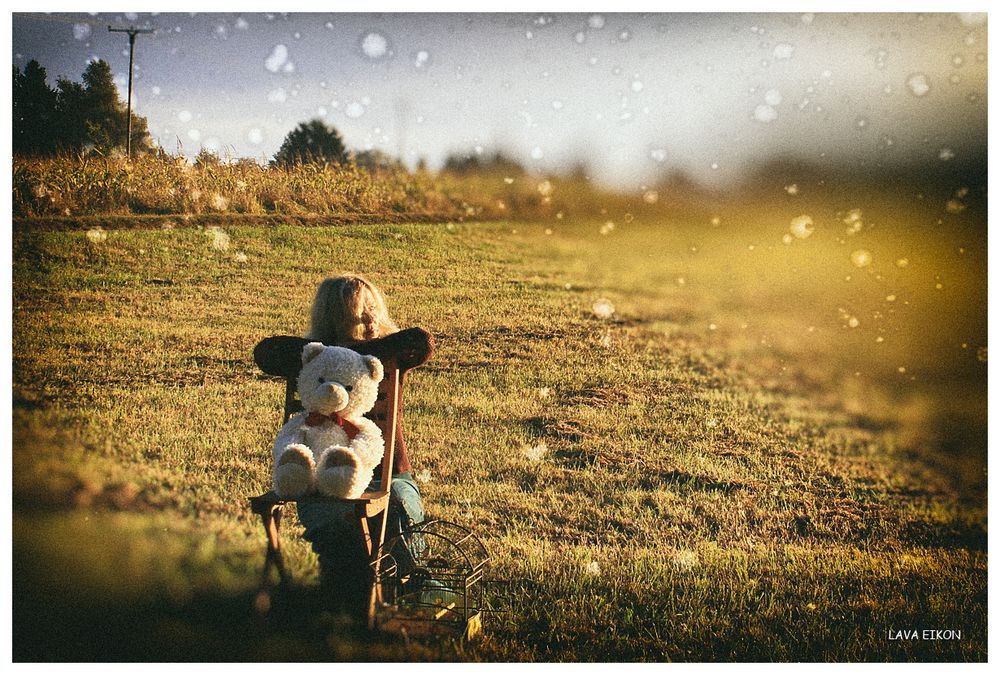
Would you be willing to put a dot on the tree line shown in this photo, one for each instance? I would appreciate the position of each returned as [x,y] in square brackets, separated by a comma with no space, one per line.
[74,116]
[89,116]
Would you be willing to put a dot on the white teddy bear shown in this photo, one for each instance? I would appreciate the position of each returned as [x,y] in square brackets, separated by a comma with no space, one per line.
[331,447]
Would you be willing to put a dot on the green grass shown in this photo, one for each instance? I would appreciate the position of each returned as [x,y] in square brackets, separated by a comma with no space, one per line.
[722,469]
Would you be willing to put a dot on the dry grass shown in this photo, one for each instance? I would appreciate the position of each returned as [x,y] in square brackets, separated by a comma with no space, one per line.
[74,187]
[722,468]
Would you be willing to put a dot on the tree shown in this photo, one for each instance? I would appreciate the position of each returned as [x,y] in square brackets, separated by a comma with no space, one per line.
[472,162]
[34,111]
[105,114]
[376,160]
[311,142]
[74,116]
[71,121]
[106,126]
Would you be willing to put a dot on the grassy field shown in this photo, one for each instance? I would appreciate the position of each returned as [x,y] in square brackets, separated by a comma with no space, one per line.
[698,437]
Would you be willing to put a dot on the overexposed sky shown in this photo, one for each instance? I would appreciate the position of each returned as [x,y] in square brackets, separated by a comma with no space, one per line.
[633,95]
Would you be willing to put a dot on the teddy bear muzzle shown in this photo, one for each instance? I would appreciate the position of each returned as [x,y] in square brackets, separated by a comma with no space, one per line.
[333,397]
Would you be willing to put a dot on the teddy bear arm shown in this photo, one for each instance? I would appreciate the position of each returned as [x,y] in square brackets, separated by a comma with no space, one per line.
[368,444]
[291,433]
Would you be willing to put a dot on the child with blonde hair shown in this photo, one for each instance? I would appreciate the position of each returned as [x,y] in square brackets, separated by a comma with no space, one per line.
[347,309]
[350,311]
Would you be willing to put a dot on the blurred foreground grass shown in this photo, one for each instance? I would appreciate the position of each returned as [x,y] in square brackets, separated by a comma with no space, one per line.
[683,437]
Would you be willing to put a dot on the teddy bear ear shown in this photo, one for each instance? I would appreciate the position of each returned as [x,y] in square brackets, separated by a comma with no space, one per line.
[374,367]
[311,351]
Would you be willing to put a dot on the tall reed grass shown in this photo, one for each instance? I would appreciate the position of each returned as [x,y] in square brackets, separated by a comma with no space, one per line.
[74,185]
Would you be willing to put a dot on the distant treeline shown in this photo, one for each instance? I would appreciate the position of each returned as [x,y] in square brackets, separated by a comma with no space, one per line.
[66,142]
[73,117]
[90,117]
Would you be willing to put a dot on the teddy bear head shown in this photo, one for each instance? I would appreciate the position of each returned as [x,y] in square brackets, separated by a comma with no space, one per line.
[338,380]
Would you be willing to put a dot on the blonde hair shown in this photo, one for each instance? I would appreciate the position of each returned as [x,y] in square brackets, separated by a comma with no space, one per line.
[341,305]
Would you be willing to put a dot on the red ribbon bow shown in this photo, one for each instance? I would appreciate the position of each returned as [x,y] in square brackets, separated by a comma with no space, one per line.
[314,419]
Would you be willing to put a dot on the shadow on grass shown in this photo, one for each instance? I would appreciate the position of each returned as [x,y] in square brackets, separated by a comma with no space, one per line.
[296,627]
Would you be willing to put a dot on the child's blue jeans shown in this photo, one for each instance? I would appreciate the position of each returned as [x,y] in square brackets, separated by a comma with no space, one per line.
[335,535]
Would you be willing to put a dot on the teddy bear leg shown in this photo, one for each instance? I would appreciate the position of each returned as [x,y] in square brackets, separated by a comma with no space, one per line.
[339,474]
[294,472]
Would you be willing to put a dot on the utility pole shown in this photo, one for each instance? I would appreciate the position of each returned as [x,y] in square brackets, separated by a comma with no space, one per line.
[132,32]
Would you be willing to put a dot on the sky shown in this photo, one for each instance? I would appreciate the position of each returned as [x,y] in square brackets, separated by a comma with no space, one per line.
[631,95]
